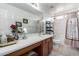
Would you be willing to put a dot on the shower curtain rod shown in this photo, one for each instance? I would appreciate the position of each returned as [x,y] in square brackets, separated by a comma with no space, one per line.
[66,13]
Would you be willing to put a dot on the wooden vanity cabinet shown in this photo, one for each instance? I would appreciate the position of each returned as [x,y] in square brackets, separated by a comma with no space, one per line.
[45,48]
[42,48]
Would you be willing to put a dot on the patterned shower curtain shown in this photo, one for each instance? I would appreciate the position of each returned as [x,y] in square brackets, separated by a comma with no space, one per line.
[72,30]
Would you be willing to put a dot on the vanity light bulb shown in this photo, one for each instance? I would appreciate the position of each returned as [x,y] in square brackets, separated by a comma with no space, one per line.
[25,30]
[78,13]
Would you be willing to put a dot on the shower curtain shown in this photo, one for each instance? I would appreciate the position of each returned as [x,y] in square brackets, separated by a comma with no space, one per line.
[72,30]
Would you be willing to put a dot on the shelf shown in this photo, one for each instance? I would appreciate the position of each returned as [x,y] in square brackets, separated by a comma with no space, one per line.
[49,27]
[48,30]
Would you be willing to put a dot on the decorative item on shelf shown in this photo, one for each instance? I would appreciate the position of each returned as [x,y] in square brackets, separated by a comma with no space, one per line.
[10,38]
[14,28]
[0,38]
[16,35]
[24,33]
[19,24]
[20,30]
[14,31]
[25,21]
[3,40]
[6,40]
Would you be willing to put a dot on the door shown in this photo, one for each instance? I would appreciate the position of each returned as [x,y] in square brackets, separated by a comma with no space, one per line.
[59,29]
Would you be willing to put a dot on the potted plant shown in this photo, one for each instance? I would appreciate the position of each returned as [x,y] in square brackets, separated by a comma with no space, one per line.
[14,31]
[14,28]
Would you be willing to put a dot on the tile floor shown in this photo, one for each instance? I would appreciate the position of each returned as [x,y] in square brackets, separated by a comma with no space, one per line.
[64,50]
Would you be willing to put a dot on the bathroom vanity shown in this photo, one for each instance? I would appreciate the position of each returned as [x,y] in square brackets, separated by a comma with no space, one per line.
[41,44]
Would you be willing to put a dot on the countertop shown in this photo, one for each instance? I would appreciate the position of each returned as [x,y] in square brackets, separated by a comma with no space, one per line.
[21,43]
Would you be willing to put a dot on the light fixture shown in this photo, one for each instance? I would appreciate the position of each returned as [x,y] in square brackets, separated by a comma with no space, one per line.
[59,9]
[50,19]
[59,17]
[78,13]
[35,5]
[25,30]
[65,16]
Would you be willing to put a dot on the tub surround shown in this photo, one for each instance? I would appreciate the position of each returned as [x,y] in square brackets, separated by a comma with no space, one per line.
[24,43]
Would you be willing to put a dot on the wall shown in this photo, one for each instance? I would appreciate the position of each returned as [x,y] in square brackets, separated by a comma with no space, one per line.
[9,15]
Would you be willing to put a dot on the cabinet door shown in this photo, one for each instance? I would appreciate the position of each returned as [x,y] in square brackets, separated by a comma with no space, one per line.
[45,47]
[42,50]
[50,45]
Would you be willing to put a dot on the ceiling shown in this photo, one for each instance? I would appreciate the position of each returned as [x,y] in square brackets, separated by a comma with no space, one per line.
[47,9]
[51,9]
[26,7]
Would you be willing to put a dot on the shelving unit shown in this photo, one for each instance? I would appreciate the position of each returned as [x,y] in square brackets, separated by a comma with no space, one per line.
[49,27]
